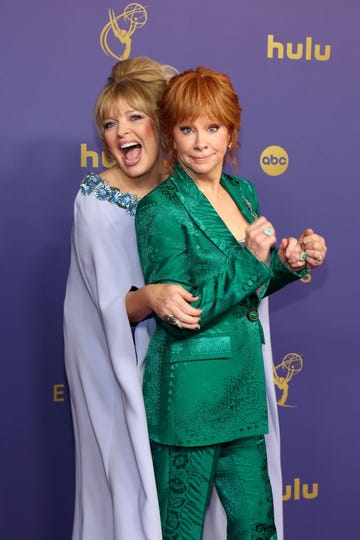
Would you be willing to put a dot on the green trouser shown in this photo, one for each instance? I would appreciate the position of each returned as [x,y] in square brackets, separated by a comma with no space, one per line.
[185,477]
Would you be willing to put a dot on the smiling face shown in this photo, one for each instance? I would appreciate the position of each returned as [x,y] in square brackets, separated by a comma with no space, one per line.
[201,145]
[133,140]
[199,94]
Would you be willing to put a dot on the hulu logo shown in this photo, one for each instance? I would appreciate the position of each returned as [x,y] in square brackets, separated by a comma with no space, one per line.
[298,51]
[300,491]
[91,159]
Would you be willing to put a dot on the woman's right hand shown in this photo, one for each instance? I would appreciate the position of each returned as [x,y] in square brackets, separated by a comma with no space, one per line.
[167,299]
[259,238]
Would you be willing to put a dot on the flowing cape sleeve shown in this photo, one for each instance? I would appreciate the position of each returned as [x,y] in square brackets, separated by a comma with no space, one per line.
[115,487]
[272,438]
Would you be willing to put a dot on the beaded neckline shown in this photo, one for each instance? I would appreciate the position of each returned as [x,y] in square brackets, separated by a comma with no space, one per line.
[92,183]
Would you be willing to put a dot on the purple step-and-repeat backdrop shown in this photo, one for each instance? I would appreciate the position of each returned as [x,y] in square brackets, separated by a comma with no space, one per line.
[295,66]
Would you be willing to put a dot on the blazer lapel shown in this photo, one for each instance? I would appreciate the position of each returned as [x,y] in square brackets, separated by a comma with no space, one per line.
[245,206]
[203,213]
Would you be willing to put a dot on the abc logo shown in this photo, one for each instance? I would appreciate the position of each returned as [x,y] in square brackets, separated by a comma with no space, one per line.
[274,160]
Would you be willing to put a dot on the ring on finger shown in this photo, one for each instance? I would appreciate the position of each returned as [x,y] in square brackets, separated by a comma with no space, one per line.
[172,320]
[320,258]
[268,231]
[303,256]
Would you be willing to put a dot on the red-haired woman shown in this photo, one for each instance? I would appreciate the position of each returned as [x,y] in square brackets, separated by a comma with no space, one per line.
[204,391]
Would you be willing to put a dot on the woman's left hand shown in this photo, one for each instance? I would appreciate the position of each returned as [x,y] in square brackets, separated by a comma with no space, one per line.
[314,246]
[309,250]
[291,254]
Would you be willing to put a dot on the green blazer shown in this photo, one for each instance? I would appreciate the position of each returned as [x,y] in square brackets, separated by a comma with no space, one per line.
[205,387]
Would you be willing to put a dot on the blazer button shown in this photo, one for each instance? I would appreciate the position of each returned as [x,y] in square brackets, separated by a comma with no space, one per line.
[252,315]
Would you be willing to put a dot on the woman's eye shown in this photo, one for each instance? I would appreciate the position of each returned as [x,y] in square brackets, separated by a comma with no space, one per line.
[185,129]
[213,128]
[135,117]
[108,125]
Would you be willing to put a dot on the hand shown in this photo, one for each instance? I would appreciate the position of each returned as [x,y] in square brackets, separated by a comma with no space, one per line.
[170,300]
[259,238]
[291,254]
[314,246]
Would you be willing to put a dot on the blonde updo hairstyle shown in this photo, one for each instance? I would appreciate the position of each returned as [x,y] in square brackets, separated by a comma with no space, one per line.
[198,92]
[140,82]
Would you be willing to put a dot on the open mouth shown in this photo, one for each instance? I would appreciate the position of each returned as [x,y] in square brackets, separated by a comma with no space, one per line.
[131,152]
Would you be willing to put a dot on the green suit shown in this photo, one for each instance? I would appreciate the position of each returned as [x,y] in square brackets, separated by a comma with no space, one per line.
[205,387]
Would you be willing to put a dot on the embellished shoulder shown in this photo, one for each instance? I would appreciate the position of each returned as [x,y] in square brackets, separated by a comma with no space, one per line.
[93,183]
